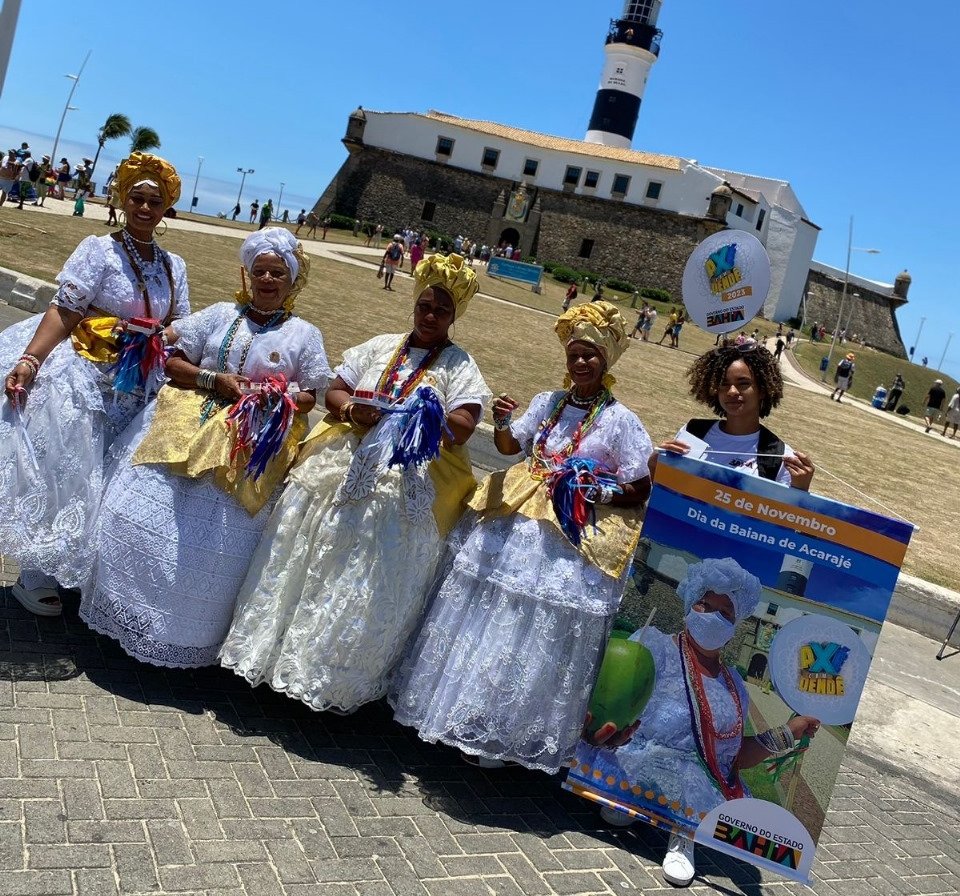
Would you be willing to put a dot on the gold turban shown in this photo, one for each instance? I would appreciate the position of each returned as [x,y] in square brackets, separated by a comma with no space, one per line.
[140,166]
[452,275]
[599,323]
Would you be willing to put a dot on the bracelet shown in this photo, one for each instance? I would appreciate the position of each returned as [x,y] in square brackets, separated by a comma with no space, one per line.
[777,741]
[31,361]
[206,379]
[346,412]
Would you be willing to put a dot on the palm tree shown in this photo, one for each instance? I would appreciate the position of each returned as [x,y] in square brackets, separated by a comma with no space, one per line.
[116,125]
[143,138]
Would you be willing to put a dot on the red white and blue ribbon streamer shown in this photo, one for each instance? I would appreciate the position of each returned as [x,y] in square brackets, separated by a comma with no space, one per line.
[574,486]
[421,429]
[261,421]
[141,364]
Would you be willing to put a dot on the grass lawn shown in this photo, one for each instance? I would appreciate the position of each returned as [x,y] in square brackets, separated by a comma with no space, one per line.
[874,368]
[910,473]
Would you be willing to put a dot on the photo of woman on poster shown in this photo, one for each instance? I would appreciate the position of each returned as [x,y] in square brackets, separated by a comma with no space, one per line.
[684,754]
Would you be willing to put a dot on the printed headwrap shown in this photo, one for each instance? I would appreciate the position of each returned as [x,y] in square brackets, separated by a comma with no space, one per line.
[599,323]
[450,273]
[141,166]
[722,576]
[282,242]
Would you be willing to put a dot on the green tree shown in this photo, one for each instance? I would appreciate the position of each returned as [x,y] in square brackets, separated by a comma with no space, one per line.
[143,139]
[116,125]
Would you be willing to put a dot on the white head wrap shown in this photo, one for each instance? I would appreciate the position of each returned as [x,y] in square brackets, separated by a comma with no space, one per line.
[722,576]
[278,240]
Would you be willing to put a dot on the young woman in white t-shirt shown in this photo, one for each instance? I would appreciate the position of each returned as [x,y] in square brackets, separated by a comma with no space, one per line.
[742,385]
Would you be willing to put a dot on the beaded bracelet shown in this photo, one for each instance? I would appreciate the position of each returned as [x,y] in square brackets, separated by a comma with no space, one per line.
[346,411]
[31,361]
[502,423]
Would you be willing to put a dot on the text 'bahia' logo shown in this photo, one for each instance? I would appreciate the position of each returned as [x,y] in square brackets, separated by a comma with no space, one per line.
[784,851]
[724,275]
[820,667]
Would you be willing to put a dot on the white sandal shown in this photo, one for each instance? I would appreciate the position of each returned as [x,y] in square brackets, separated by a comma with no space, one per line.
[37,600]
[678,867]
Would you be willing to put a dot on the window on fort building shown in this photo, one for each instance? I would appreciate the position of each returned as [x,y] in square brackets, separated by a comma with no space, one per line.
[772,609]
[739,211]
[592,179]
[586,247]
[429,210]
[760,216]
[490,158]
[530,167]
[621,183]
[653,189]
[444,146]
[572,177]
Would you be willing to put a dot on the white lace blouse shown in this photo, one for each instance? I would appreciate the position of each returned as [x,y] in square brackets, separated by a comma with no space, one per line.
[618,439]
[295,348]
[454,374]
[99,273]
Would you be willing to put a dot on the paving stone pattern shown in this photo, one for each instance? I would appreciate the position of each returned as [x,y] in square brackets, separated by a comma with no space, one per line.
[119,778]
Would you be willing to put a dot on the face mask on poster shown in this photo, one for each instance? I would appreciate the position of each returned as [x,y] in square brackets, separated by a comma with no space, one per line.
[710,630]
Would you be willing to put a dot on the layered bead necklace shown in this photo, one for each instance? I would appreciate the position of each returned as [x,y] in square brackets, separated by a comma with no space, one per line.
[226,344]
[138,264]
[389,385]
[703,727]
[542,460]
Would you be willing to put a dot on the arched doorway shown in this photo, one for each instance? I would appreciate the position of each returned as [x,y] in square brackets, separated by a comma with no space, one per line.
[509,237]
[758,666]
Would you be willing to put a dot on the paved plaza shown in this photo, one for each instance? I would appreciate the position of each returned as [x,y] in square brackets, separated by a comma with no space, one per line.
[121,778]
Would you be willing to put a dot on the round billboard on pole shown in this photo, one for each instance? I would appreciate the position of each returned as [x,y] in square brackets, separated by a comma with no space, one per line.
[726,281]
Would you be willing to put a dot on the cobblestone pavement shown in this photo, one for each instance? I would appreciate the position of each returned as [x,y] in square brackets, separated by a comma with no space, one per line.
[119,778]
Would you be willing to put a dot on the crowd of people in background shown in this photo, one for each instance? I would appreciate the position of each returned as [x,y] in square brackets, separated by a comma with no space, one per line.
[25,179]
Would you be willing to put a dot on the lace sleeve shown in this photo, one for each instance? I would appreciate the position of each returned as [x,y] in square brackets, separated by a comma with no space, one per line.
[525,428]
[194,330]
[633,449]
[82,274]
[181,302]
[465,385]
[314,370]
[358,359]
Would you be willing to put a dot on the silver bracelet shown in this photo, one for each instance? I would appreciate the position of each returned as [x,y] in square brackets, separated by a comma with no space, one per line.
[777,741]
[206,379]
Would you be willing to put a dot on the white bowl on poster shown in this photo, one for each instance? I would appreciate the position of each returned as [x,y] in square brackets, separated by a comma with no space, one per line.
[785,672]
[726,281]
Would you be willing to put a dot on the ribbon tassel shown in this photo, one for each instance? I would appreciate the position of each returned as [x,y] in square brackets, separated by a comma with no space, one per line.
[261,421]
[141,364]
[572,486]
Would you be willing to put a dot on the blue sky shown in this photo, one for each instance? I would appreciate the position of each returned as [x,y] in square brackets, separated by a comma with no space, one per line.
[849,101]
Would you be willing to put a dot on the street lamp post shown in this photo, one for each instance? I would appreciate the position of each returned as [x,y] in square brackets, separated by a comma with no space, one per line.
[67,107]
[244,172]
[843,296]
[279,198]
[196,180]
[944,355]
[916,341]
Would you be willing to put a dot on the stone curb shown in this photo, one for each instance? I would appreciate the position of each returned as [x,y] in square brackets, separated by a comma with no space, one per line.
[23,292]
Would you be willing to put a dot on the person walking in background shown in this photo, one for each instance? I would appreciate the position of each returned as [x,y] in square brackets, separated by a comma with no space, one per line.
[893,396]
[649,319]
[677,327]
[953,414]
[843,378]
[570,296]
[236,211]
[780,345]
[63,177]
[641,320]
[668,330]
[416,254]
[391,261]
[934,404]
[254,208]
[301,220]
[326,226]
[42,183]
[266,213]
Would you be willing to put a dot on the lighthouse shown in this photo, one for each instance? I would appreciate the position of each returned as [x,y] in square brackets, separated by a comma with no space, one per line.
[632,47]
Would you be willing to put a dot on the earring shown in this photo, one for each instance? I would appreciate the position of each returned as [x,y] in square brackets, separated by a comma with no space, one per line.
[157,232]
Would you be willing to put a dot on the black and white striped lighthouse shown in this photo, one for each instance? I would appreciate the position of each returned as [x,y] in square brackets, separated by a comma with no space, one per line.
[633,44]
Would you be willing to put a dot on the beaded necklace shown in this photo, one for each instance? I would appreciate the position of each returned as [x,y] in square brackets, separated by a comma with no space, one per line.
[705,734]
[542,460]
[224,351]
[138,264]
[389,384]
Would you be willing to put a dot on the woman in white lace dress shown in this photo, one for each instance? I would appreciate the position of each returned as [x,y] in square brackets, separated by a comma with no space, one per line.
[338,582]
[181,516]
[505,662]
[62,411]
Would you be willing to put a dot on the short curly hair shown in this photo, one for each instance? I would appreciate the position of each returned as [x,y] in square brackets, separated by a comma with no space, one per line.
[707,372]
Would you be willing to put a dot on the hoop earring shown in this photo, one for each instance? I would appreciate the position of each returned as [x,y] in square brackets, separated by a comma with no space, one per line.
[157,232]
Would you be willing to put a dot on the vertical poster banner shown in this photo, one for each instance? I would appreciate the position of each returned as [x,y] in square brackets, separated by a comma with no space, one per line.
[699,747]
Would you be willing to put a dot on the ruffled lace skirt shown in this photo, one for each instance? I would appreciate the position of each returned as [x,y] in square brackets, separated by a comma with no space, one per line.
[172,553]
[505,662]
[49,495]
[336,586]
